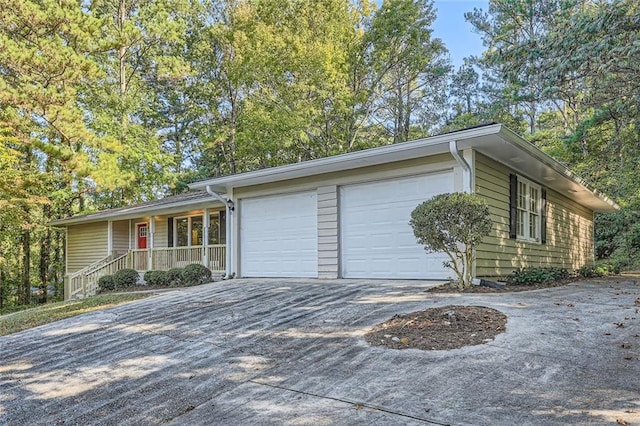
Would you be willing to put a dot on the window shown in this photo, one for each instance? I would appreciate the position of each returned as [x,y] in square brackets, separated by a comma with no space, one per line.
[217,228]
[528,217]
[189,231]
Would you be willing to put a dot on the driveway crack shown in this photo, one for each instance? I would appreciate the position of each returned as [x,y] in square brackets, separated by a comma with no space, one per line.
[355,403]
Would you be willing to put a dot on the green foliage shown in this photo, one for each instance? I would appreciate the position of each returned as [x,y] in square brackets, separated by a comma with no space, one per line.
[156,278]
[45,314]
[195,274]
[174,277]
[106,283]
[537,275]
[125,278]
[600,269]
[454,224]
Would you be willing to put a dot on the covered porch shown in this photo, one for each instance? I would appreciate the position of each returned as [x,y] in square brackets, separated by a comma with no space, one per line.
[156,242]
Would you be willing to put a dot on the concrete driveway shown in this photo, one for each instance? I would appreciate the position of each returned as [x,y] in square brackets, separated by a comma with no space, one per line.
[291,352]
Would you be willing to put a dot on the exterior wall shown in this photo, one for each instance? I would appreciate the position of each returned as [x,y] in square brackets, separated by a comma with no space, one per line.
[327,186]
[160,234]
[569,228]
[328,232]
[120,236]
[161,228]
[86,244]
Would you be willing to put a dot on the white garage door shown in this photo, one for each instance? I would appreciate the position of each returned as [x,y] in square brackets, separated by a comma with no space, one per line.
[376,238]
[279,236]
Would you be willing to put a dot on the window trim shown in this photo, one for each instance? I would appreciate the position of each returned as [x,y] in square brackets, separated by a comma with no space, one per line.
[189,229]
[526,237]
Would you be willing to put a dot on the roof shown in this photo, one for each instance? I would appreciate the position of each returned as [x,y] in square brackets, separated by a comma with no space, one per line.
[493,140]
[167,205]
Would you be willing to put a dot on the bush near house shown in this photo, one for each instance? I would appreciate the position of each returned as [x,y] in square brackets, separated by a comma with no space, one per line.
[126,278]
[106,283]
[156,278]
[174,277]
[599,270]
[536,275]
[196,274]
[539,275]
[454,224]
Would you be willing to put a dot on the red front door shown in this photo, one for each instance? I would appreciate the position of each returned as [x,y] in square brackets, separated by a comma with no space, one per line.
[142,235]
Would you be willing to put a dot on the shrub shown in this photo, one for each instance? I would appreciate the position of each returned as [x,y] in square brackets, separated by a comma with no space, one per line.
[536,275]
[196,274]
[106,283]
[602,269]
[156,278]
[454,224]
[174,277]
[125,278]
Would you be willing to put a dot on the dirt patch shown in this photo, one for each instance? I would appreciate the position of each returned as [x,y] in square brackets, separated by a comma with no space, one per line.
[448,327]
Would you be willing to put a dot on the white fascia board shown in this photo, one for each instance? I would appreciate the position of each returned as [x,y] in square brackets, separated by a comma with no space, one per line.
[134,213]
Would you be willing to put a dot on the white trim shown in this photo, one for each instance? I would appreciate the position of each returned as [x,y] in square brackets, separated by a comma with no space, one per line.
[189,228]
[526,237]
[151,231]
[109,237]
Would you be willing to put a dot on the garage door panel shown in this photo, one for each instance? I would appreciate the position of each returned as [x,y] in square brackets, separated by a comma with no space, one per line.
[376,238]
[278,236]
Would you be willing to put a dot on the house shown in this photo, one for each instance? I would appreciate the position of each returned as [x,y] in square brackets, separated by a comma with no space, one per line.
[346,216]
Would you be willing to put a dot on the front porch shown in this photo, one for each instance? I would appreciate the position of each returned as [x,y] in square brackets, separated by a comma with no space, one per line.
[84,282]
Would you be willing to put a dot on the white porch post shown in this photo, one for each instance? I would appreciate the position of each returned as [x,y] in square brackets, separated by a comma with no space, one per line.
[109,237]
[229,237]
[205,237]
[152,231]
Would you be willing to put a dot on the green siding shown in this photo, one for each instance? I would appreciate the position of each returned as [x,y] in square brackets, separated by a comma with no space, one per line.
[569,228]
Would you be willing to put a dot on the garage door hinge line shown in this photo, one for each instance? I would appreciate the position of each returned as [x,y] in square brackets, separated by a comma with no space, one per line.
[228,202]
[360,404]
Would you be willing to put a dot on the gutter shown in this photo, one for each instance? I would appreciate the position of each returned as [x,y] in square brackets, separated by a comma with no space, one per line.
[453,149]
[228,202]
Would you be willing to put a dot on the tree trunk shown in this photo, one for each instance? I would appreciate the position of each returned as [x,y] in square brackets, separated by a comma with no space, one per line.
[25,239]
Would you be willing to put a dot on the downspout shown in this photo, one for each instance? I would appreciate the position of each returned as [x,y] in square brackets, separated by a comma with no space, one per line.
[229,231]
[453,149]
[467,186]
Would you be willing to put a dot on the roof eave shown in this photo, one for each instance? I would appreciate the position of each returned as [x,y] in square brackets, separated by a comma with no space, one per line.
[374,156]
[132,214]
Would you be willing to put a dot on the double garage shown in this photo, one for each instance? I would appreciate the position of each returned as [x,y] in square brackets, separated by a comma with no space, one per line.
[279,234]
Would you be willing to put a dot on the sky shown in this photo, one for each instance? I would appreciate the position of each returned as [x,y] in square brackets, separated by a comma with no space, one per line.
[455,32]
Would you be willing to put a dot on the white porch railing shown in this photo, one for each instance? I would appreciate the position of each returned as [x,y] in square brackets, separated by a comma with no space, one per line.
[216,255]
[164,259]
[84,282]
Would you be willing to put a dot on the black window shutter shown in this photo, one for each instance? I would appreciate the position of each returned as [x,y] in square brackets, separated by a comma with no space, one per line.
[513,206]
[170,232]
[543,216]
